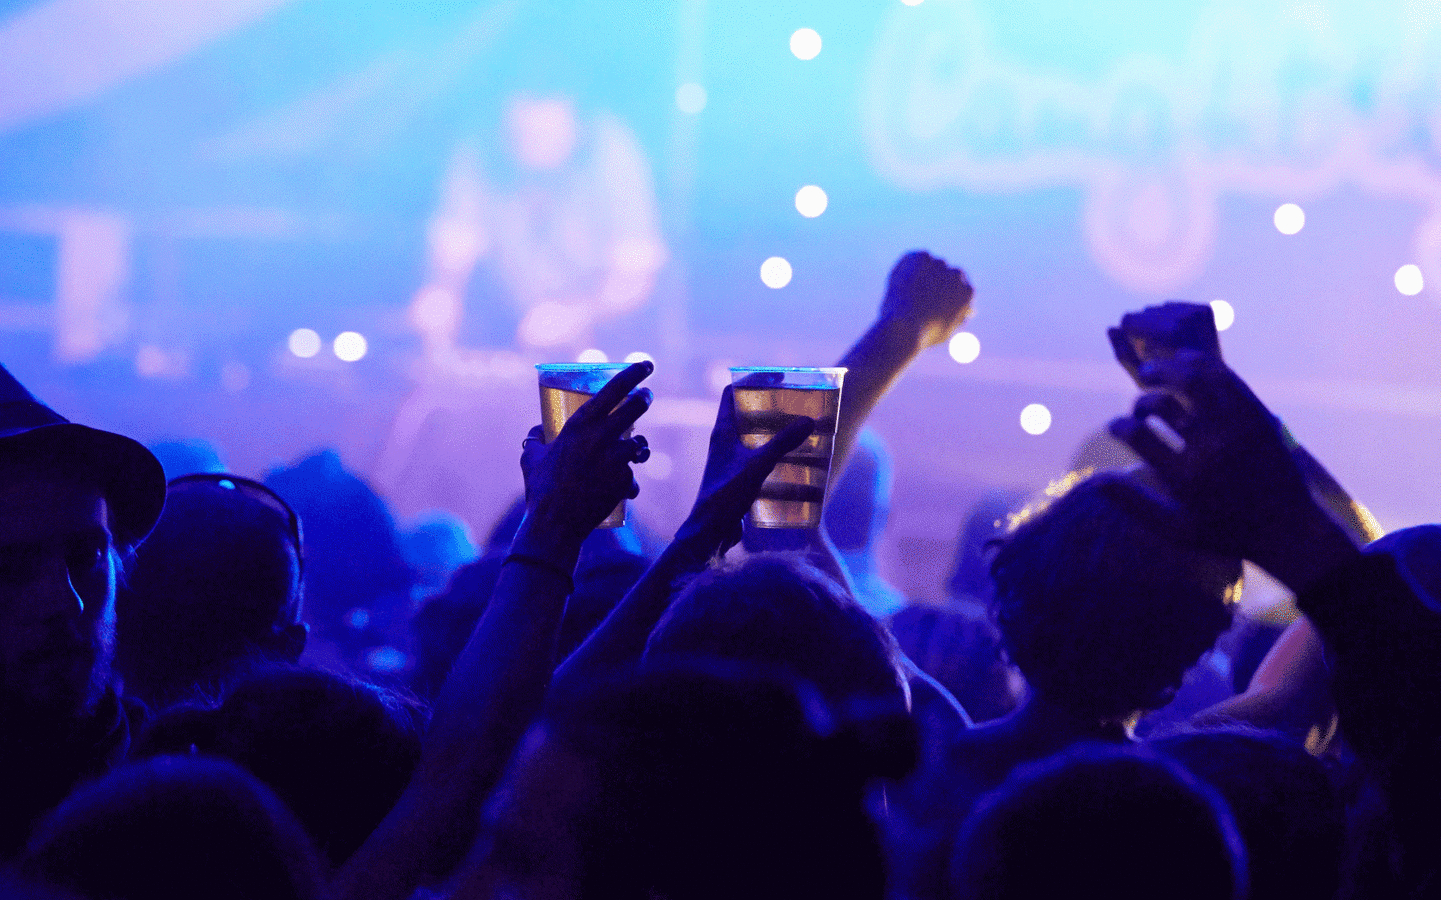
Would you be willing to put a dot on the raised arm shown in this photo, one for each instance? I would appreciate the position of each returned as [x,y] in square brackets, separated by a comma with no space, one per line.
[1236,488]
[926,300]
[497,684]
[1290,690]
[732,479]
[1159,332]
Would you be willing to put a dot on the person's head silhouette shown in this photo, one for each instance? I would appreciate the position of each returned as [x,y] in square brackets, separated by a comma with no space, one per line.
[1101,612]
[73,501]
[216,584]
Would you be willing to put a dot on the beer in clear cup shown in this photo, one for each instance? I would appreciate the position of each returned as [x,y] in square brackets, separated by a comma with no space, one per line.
[767,399]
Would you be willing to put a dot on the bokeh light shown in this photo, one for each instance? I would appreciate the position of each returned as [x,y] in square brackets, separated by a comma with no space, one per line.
[549,324]
[1035,419]
[776,272]
[911,2]
[806,43]
[435,310]
[964,347]
[639,356]
[1289,218]
[690,98]
[386,658]
[150,361]
[811,201]
[1409,281]
[304,342]
[350,346]
[592,355]
[1224,313]
[718,375]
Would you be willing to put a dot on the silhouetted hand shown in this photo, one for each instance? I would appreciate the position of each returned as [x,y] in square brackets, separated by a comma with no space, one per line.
[576,480]
[926,296]
[1160,332]
[1234,486]
[733,478]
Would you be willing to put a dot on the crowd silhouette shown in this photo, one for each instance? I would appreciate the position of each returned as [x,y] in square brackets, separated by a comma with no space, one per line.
[559,714]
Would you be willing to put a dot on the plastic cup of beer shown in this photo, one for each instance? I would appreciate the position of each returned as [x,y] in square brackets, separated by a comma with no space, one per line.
[767,399]
[564,387]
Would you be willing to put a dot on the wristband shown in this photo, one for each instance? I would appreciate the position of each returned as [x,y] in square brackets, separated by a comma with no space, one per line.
[538,563]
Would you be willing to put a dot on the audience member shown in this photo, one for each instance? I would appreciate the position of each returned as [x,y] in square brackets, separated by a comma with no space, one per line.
[1103,615]
[499,682]
[692,780]
[960,647]
[778,610]
[1100,821]
[215,586]
[970,583]
[175,827]
[857,508]
[434,545]
[1287,810]
[357,585]
[338,752]
[1235,485]
[607,725]
[74,502]
[609,565]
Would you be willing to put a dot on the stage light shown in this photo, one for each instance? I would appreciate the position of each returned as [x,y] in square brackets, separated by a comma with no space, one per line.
[811,201]
[386,659]
[639,356]
[776,273]
[350,346]
[435,310]
[690,98]
[1289,218]
[592,356]
[964,347]
[550,324]
[1224,313]
[1409,280]
[718,376]
[806,43]
[304,343]
[1035,419]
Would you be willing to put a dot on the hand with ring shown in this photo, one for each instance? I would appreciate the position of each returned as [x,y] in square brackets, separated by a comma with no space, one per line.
[577,479]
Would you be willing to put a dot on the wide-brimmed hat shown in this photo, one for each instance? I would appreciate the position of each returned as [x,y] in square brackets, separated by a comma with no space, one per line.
[129,476]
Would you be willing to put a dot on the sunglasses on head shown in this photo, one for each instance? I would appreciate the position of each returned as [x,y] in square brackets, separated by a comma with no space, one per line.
[253,490]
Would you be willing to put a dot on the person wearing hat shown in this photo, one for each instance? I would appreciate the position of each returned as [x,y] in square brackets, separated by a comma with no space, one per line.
[74,501]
